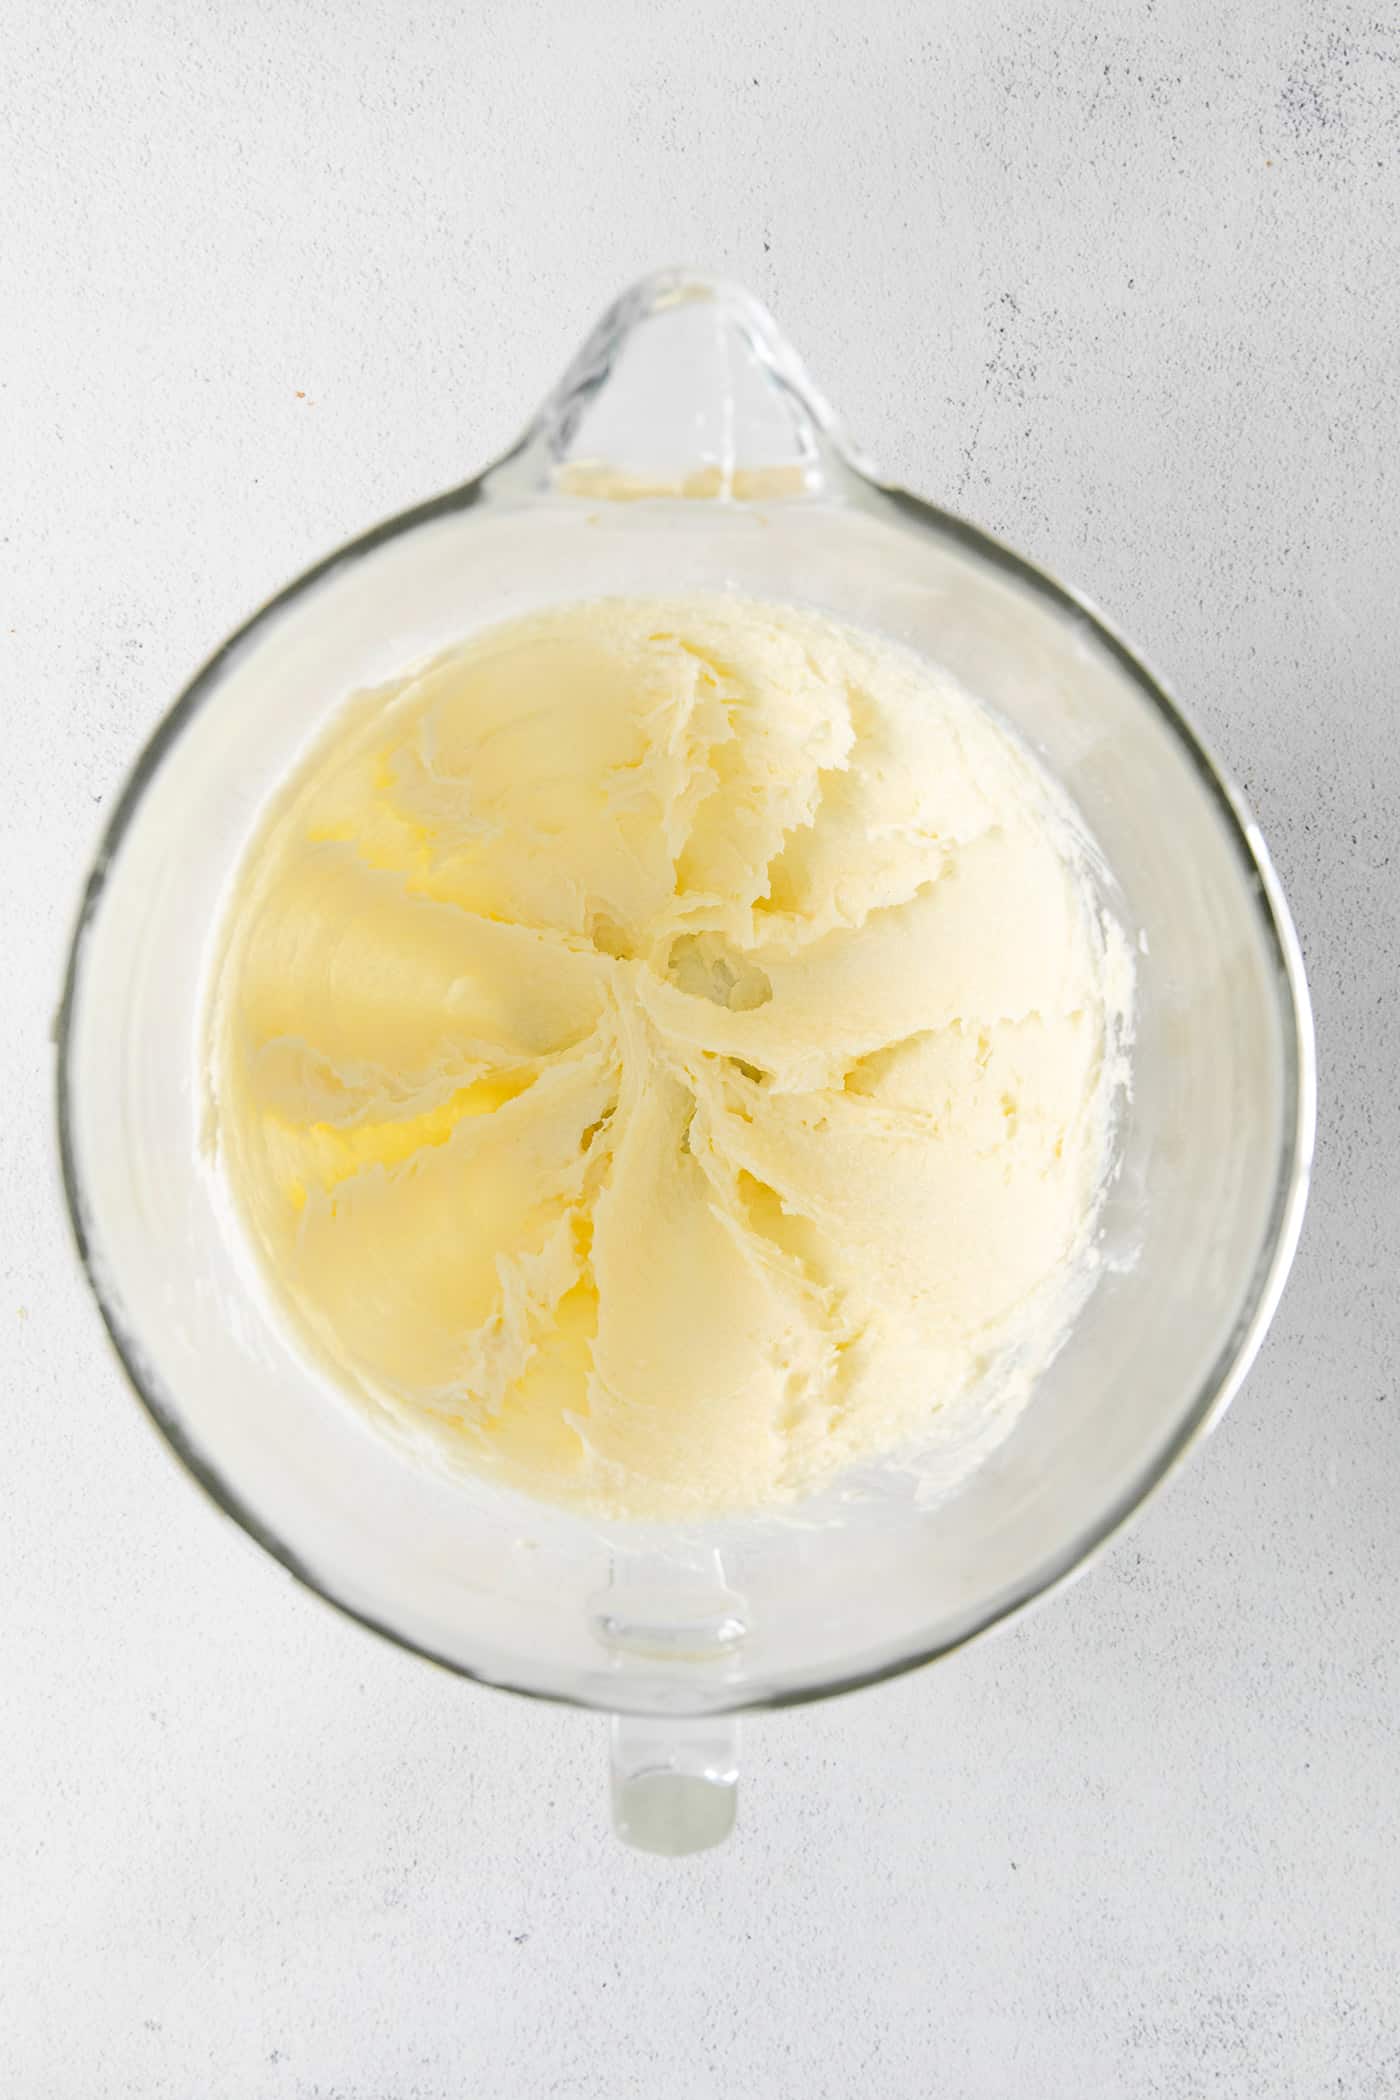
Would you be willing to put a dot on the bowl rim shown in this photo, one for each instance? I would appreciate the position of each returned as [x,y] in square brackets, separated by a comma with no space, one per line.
[1215,1391]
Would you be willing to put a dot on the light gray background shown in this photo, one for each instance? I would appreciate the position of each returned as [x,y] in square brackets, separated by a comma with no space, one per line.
[1118,280]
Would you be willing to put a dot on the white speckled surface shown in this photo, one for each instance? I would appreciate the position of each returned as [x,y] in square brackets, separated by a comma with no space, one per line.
[1122,284]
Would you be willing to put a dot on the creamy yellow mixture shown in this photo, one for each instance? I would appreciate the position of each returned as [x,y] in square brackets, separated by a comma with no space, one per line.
[664,1049]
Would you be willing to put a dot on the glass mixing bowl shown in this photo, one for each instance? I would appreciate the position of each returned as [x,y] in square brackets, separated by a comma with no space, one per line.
[684,449]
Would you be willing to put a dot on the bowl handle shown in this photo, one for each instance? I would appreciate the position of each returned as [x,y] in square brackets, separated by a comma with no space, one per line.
[685,388]
[674,1781]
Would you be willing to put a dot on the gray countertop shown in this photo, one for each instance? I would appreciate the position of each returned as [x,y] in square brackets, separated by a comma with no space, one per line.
[1119,282]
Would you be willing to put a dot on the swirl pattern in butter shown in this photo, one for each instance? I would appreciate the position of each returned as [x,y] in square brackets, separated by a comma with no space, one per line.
[663,1054]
